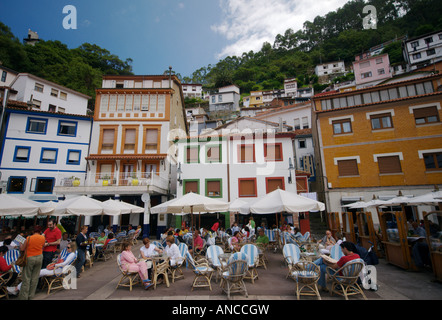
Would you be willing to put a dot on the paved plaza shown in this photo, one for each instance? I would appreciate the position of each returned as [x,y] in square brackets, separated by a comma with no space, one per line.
[99,283]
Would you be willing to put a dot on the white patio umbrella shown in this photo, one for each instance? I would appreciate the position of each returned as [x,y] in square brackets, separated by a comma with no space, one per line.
[123,206]
[431,198]
[16,206]
[192,202]
[240,206]
[357,203]
[367,204]
[84,206]
[285,201]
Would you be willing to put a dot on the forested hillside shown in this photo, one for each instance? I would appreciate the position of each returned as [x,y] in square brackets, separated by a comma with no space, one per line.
[80,69]
[339,35]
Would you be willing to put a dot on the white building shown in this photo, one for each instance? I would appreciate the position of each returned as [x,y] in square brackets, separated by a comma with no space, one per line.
[191,90]
[423,50]
[7,76]
[299,117]
[233,166]
[290,88]
[40,149]
[45,95]
[330,68]
[226,99]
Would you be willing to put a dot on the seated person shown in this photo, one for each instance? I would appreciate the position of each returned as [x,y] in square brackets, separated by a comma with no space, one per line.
[327,241]
[348,249]
[63,242]
[100,249]
[234,241]
[172,251]
[5,268]
[262,239]
[297,234]
[198,242]
[52,269]
[149,250]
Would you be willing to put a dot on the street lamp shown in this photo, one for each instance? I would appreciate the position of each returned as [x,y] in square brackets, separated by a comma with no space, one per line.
[291,167]
[180,181]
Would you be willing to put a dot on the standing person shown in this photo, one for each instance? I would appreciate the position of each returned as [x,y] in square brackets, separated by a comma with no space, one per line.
[82,244]
[53,238]
[215,226]
[31,272]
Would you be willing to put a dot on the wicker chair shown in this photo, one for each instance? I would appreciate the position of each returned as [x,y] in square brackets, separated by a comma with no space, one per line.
[233,278]
[128,279]
[61,278]
[292,255]
[344,280]
[306,274]
[203,272]
[253,258]
[176,271]
[212,254]
[161,269]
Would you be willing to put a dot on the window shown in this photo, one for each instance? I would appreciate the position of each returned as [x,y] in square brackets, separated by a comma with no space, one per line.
[381,71]
[430,52]
[52,108]
[247,187]
[273,184]
[348,167]
[213,99]
[191,186]
[414,44]
[21,154]
[220,98]
[416,56]
[214,188]
[67,128]
[16,184]
[428,40]
[36,103]
[54,93]
[38,87]
[63,95]
[214,153]
[36,125]
[273,152]
[342,126]
[426,115]
[364,64]
[73,157]
[366,75]
[246,153]
[389,164]
[433,161]
[192,154]
[44,185]
[107,138]
[61,110]
[4,73]
[381,121]
[302,143]
[130,139]
[297,124]
[305,123]
[48,155]
[151,141]
[378,60]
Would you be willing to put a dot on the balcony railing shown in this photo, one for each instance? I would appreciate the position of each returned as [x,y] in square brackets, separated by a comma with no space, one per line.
[116,181]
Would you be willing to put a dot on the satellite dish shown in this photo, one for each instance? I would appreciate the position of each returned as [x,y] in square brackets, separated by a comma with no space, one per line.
[145,197]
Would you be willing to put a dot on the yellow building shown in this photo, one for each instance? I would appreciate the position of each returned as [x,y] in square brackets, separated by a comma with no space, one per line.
[379,140]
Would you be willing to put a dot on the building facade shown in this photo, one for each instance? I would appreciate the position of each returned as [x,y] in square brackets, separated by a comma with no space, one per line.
[370,70]
[379,140]
[135,121]
[423,50]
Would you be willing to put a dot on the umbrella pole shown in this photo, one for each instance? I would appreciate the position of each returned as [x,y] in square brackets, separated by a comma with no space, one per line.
[193,234]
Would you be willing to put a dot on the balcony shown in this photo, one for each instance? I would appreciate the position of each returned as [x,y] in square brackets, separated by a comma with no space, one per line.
[116,183]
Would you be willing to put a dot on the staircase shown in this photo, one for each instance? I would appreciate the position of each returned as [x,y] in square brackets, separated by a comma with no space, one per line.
[317,227]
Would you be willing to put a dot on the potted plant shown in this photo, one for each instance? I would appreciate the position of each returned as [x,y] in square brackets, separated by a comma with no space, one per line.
[134,180]
[106,180]
[76,181]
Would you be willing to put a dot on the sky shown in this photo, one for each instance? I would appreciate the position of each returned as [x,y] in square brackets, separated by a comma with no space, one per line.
[156,34]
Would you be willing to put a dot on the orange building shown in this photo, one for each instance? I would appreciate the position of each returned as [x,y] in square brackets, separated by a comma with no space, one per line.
[379,140]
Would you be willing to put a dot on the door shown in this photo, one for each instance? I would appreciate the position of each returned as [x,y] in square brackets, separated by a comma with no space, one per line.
[128,171]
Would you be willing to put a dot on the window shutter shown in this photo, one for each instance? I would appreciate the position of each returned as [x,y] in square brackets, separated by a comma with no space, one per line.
[130,138]
[425,112]
[273,184]
[247,188]
[348,168]
[213,188]
[192,186]
[391,164]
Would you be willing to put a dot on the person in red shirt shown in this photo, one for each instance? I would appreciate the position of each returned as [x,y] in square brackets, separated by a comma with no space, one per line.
[53,238]
[348,249]
[4,268]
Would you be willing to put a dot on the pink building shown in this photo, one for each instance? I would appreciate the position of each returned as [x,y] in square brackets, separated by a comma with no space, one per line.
[371,70]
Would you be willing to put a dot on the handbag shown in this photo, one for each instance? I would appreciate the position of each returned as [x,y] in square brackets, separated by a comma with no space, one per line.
[22,260]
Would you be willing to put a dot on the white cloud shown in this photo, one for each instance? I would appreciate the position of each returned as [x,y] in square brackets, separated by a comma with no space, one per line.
[247,24]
